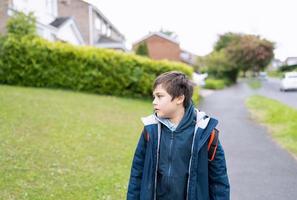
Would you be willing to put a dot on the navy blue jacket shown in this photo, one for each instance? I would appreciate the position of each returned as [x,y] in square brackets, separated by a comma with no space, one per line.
[174,157]
[205,180]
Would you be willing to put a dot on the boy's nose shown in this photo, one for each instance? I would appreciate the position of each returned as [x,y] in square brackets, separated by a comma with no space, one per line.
[154,101]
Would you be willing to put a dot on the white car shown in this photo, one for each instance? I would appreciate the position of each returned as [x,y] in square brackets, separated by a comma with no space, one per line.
[199,79]
[263,76]
[289,81]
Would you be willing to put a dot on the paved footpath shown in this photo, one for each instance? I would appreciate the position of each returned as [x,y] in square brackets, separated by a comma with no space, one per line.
[258,168]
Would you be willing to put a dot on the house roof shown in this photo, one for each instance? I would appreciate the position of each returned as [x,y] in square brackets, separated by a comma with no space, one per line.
[159,34]
[104,18]
[59,21]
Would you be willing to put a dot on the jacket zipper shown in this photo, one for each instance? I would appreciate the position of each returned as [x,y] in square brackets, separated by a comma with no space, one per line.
[170,154]
[157,163]
[193,141]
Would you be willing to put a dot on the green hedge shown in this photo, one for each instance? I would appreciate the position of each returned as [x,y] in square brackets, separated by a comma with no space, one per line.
[33,61]
[286,68]
[215,84]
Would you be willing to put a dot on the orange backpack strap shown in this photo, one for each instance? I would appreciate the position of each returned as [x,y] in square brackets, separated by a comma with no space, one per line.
[146,135]
[213,144]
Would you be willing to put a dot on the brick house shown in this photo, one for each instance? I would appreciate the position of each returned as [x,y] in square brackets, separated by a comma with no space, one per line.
[74,21]
[161,46]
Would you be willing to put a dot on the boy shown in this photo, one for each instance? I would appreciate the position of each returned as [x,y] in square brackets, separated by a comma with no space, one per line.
[171,161]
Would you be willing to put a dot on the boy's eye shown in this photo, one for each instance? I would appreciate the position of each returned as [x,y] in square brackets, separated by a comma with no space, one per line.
[158,96]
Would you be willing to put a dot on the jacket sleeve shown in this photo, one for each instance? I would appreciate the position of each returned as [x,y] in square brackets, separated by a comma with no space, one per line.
[136,170]
[219,188]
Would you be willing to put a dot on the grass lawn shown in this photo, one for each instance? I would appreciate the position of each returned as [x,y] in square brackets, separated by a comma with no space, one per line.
[58,144]
[279,118]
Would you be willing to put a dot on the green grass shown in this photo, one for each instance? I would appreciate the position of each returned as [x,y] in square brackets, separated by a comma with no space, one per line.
[254,83]
[279,118]
[58,144]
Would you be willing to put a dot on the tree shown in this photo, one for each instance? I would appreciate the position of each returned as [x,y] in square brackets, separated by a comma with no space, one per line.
[251,52]
[21,25]
[200,64]
[142,49]
[226,39]
[247,52]
[220,66]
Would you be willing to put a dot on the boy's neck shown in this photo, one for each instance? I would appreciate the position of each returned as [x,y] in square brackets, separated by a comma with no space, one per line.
[178,116]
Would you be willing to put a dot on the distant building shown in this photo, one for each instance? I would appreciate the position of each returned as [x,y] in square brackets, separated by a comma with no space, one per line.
[75,21]
[188,57]
[275,64]
[161,46]
[291,61]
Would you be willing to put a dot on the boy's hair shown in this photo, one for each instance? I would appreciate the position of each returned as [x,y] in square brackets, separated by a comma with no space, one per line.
[176,84]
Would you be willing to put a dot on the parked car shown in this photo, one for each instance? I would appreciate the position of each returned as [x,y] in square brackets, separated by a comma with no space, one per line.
[263,75]
[289,81]
[199,79]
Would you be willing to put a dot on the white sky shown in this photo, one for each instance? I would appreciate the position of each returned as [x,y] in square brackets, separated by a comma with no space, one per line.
[198,23]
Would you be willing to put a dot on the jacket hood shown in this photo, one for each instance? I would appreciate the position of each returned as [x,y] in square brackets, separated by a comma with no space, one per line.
[191,115]
[187,120]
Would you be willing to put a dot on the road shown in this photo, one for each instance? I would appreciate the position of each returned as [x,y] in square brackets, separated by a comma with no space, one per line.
[271,89]
[258,168]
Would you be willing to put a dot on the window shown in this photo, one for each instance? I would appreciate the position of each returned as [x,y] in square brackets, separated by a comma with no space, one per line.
[97,23]
[108,32]
[103,31]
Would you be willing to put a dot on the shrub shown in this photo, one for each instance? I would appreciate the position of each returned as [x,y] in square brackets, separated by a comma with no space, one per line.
[21,25]
[214,84]
[287,68]
[142,49]
[36,62]
[196,97]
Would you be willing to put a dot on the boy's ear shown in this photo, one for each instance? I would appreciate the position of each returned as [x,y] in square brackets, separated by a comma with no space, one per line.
[180,99]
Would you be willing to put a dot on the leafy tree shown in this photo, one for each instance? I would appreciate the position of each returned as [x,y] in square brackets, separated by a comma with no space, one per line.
[220,66]
[226,39]
[21,25]
[245,52]
[251,53]
[200,64]
[142,49]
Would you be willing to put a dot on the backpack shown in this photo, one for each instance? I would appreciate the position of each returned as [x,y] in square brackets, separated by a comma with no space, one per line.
[211,146]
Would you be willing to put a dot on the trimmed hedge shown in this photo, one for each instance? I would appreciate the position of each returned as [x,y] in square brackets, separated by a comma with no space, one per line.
[33,61]
[215,84]
[286,68]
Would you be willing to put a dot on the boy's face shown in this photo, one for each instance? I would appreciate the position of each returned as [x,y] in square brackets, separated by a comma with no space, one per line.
[163,104]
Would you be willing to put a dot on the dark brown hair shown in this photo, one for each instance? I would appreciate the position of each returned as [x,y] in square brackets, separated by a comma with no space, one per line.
[176,84]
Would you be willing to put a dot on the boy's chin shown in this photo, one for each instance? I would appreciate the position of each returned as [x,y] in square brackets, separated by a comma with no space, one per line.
[161,115]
